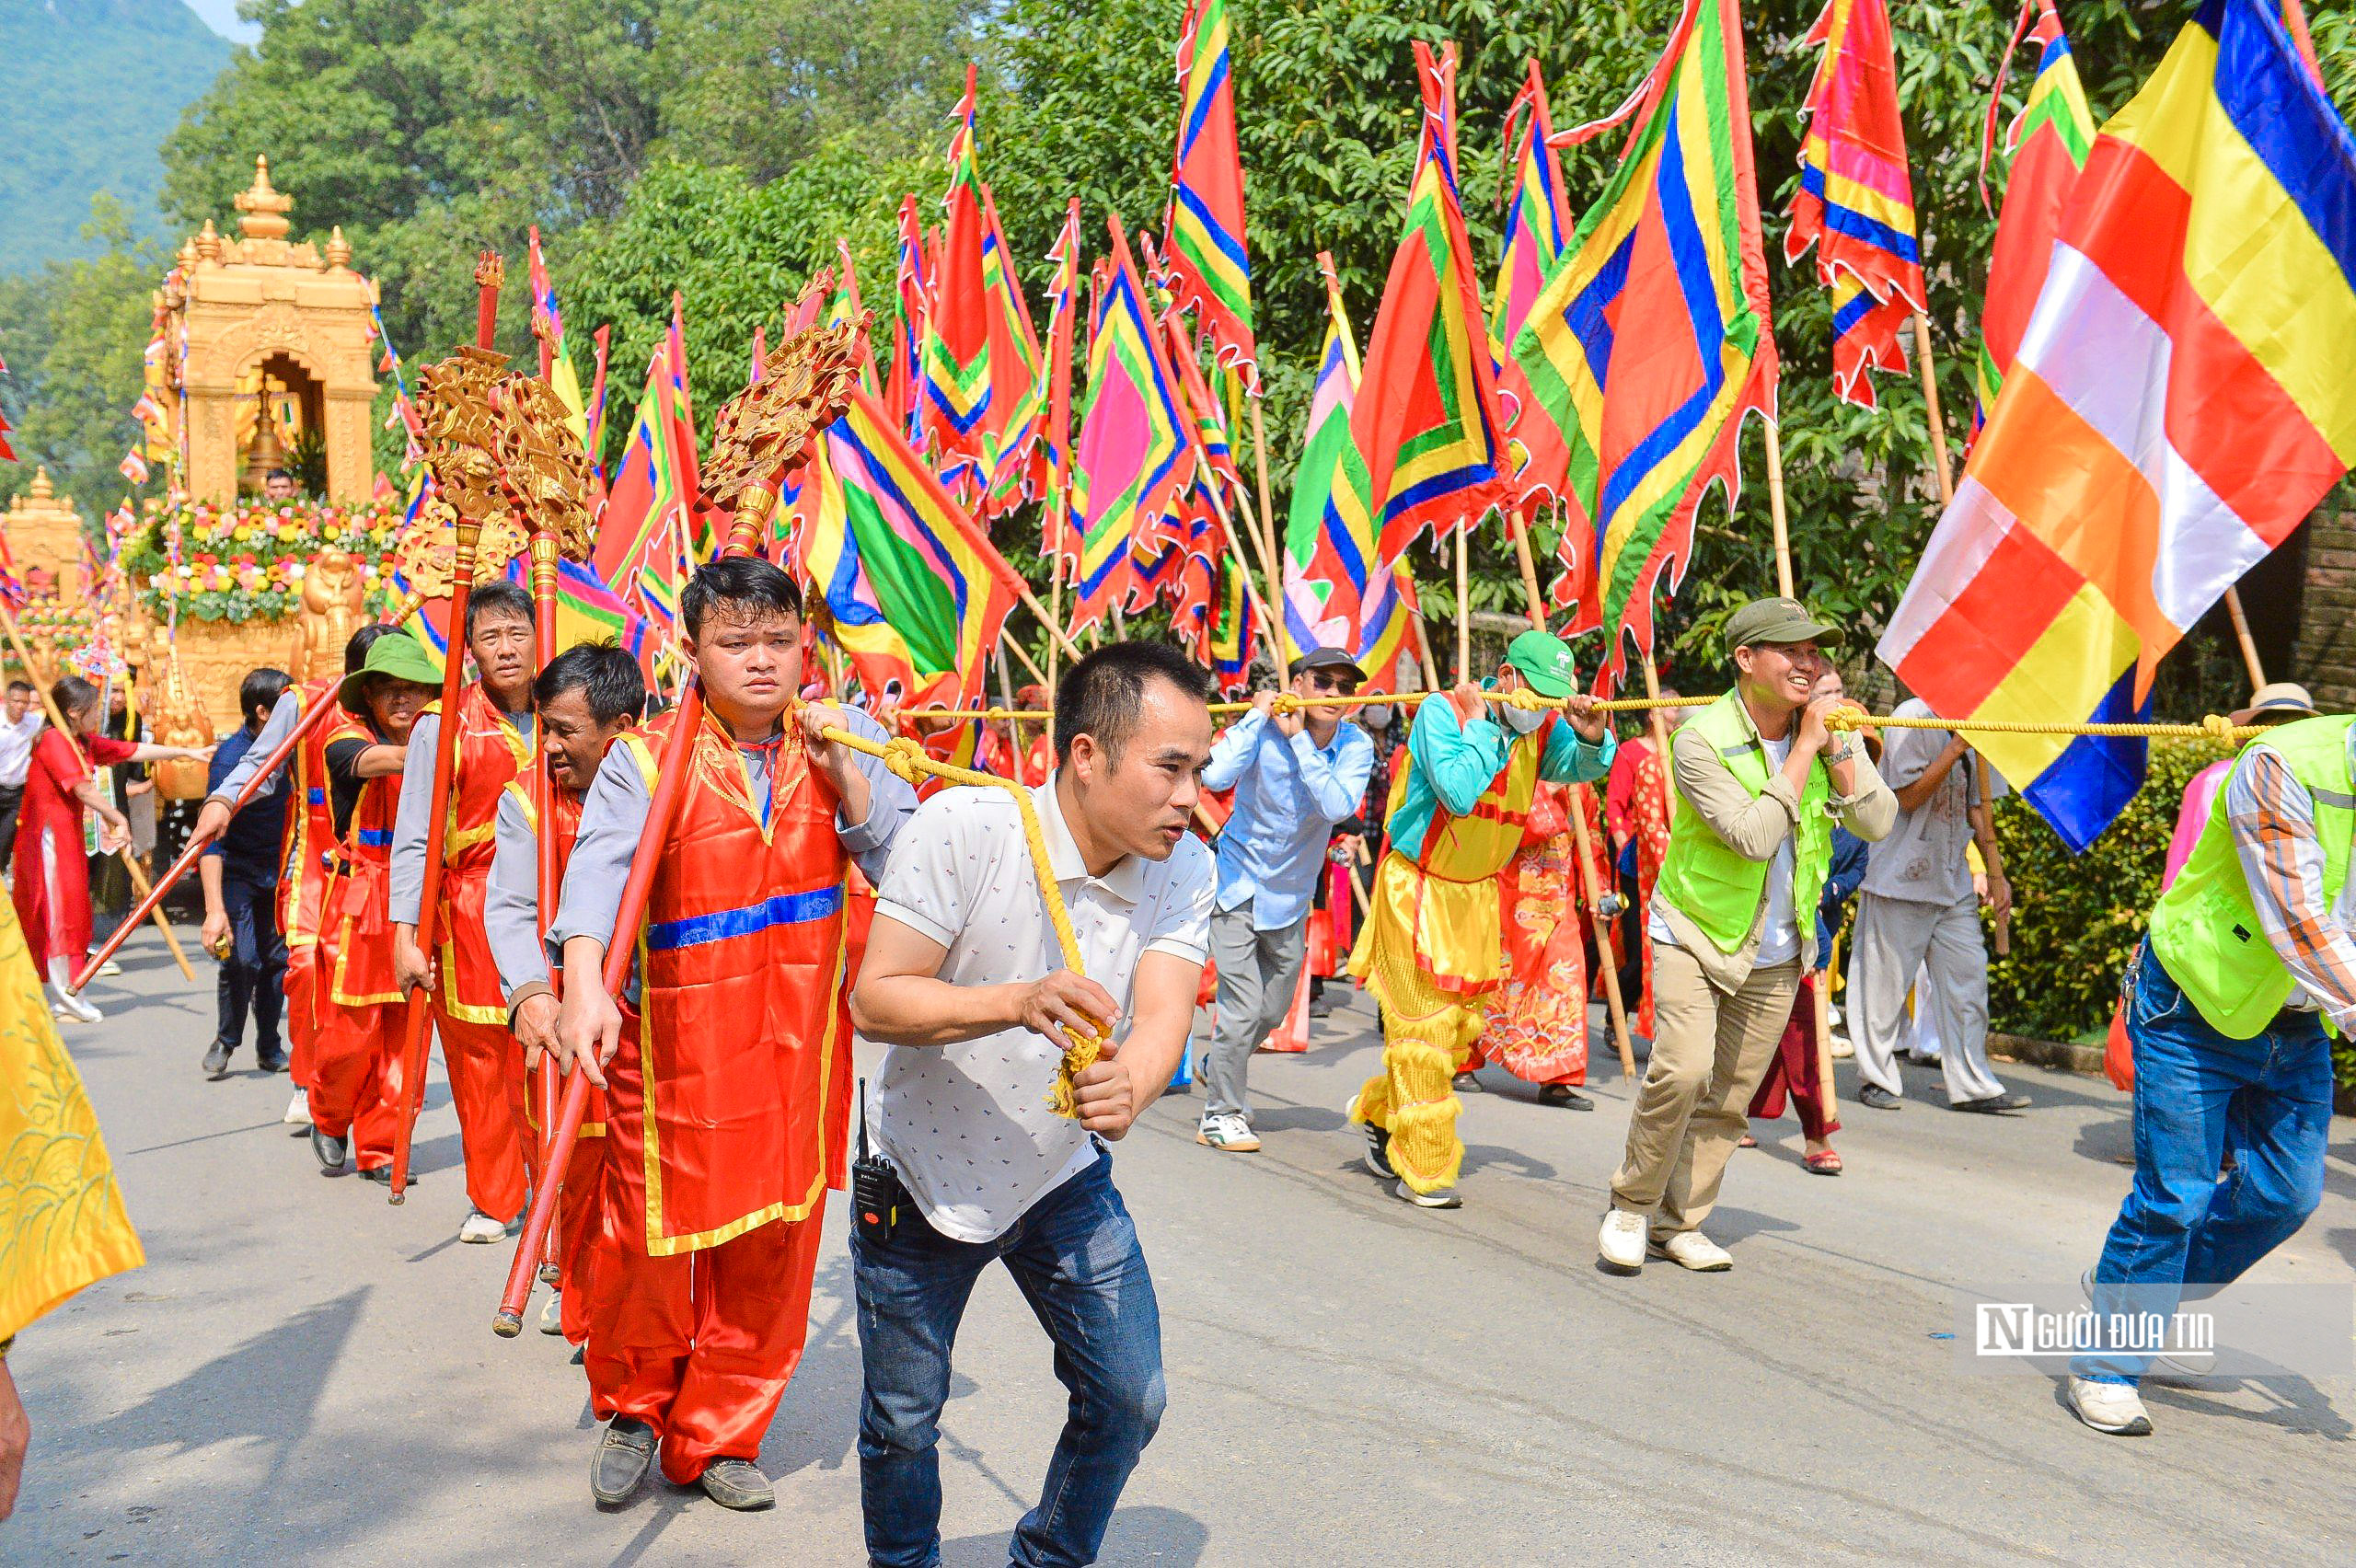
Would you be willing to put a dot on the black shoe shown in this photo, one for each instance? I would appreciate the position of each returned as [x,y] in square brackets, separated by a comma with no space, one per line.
[1873,1097]
[1564,1095]
[1466,1083]
[738,1484]
[621,1459]
[383,1175]
[217,1062]
[1378,1152]
[1993,1105]
[271,1061]
[330,1151]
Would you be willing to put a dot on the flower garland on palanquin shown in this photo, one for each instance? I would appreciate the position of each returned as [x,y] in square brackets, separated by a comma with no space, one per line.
[246,562]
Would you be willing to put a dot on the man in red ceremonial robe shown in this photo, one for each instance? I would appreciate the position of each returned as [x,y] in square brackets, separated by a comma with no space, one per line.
[494,744]
[311,835]
[728,1081]
[586,698]
[52,881]
[356,1068]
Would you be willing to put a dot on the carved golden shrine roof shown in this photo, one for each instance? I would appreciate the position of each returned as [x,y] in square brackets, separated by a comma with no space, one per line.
[209,257]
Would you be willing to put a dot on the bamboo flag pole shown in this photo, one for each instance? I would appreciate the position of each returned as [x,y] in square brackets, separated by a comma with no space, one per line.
[1584,843]
[1520,530]
[2240,634]
[140,890]
[1274,554]
[1775,510]
[1463,606]
[1936,420]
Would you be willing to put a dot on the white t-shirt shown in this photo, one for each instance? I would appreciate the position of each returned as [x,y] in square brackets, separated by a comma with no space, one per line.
[16,746]
[968,1126]
[1779,933]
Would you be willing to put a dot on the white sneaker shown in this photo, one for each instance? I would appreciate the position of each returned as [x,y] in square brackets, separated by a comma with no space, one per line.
[298,1110]
[479,1230]
[2113,1408]
[110,968]
[1692,1250]
[1438,1198]
[552,1315]
[1621,1242]
[68,1004]
[1228,1132]
[1843,1049]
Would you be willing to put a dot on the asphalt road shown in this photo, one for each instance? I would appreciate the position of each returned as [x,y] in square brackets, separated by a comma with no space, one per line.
[303,1374]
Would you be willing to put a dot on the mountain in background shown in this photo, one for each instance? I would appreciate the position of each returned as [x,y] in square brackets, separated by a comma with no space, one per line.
[92,86]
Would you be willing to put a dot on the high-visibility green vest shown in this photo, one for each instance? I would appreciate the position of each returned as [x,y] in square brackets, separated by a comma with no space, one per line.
[1709,883]
[2205,928]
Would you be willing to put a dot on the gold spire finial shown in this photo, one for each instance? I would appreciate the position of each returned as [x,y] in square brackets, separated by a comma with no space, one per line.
[208,242]
[42,489]
[265,210]
[338,249]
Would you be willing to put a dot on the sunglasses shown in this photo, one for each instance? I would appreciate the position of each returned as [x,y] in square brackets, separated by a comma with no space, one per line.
[1342,684]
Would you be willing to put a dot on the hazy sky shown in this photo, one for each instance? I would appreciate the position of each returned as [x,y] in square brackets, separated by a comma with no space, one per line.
[221,16]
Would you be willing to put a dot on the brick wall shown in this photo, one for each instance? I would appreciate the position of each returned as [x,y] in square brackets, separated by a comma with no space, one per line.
[2326,656]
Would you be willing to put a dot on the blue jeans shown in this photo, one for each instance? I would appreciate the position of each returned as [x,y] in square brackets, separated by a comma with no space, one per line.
[1075,1258]
[2200,1096]
[254,975]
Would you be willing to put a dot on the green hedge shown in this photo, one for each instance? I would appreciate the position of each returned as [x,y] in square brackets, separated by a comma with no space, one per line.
[2076,918]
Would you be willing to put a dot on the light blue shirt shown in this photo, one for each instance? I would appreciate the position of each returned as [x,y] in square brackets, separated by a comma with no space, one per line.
[1288,794]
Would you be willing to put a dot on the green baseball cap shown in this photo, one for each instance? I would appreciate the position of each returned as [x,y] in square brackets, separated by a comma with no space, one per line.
[400,656]
[1544,660]
[1778,620]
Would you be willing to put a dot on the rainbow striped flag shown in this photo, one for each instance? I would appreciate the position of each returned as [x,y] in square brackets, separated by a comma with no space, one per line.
[843,306]
[548,324]
[2048,146]
[1056,527]
[1427,418]
[1210,264]
[1338,592]
[642,536]
[1537,231]
[909,584]
[1235,633]
[1652,337]
[1855,200]
[2179,403]
[1132,461]
[909,293]
[978,404]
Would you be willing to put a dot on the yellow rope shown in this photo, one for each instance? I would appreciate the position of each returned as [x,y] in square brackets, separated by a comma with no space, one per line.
[906,758]
[2215,726]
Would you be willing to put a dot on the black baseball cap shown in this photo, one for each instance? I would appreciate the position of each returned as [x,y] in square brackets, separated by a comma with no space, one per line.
[1325,659]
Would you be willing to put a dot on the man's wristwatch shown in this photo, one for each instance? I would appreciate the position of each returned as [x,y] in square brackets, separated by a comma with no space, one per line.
[1841,752]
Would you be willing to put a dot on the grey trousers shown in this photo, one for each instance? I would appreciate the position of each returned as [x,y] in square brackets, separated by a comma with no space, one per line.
[1709,1051]
[1897,941]
[1257,974]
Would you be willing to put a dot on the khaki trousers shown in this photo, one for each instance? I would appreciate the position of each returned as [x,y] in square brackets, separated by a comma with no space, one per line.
[1709,1051]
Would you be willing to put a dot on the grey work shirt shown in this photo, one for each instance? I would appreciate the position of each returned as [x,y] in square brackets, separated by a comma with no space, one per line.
[612,815]
[1922,859]
[511,906]
[406,887]
[1756,827]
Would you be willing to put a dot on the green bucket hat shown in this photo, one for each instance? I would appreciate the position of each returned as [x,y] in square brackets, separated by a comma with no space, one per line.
[1544,660]
[400,656]
[1778,620]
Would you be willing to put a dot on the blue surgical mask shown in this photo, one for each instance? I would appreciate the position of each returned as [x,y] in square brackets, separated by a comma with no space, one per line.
[1375,715]
[1521,721]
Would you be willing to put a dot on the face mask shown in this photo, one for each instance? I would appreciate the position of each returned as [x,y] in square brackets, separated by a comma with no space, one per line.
[1375,716]
[1521,721]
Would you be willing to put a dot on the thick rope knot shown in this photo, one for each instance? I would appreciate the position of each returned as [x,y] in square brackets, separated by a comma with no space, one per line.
[2218,725]
[1523,698]
[906,758]
[1286,702]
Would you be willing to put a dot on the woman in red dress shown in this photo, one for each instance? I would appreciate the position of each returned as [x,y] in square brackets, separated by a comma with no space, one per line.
[53,876]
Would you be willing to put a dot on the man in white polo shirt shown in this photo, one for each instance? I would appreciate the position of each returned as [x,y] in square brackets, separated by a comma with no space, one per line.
[965,981]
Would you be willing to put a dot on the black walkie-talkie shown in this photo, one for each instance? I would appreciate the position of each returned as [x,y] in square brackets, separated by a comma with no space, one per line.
[874,1185]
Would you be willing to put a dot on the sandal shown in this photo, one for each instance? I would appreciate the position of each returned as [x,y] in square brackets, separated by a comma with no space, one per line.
[1747,1142]
[1823,1162]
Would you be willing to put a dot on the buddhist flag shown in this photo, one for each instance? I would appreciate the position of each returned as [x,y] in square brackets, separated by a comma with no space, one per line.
[1652,339]
[1855,201]
[2180,400]
[908,584]
[2048,146]
[1338,592]
[1210,265]
[548,328]
[62,1225]
[1538,228]
[1426,419]
[1133,459]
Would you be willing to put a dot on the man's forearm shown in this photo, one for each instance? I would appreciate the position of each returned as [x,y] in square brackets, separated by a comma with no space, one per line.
[1153,1055]
[923,1011]
[208,877]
